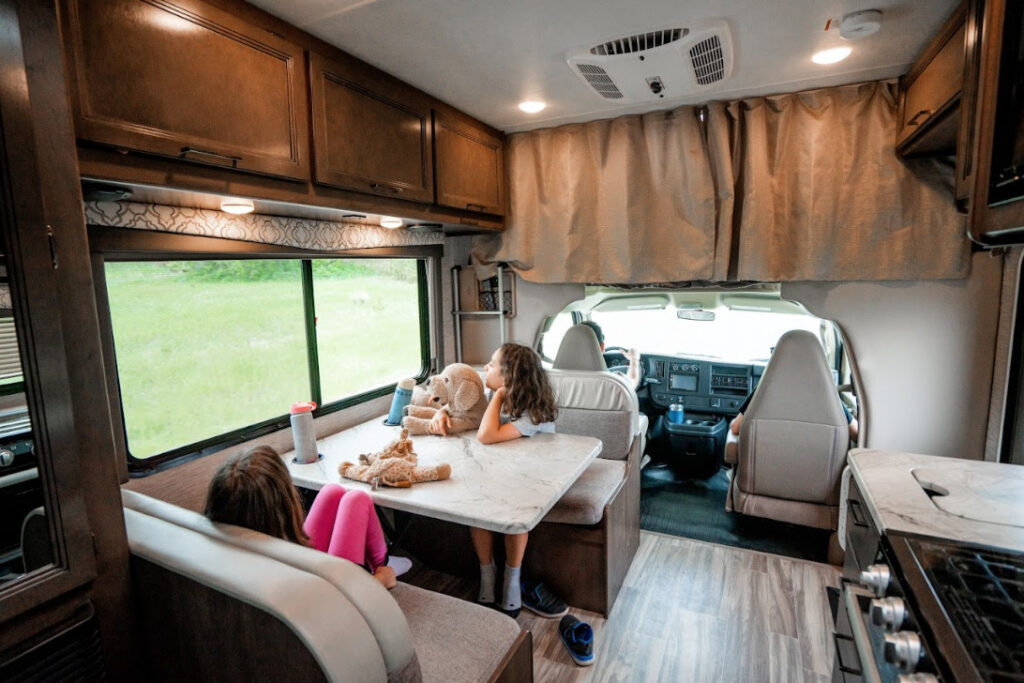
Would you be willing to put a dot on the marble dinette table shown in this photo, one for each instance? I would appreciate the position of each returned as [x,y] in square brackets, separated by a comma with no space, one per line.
[506,487]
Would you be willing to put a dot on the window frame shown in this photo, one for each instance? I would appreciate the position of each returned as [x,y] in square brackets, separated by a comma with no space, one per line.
[109,244]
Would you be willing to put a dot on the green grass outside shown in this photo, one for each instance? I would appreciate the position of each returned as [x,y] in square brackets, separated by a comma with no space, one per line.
[198,357]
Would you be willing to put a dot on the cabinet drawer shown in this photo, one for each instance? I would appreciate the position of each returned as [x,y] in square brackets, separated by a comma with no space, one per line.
[936,88]
[470,169]
[370,134]
[185,79]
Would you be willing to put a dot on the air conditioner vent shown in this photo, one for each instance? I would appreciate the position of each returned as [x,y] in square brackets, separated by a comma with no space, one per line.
[656,65]
[639,42]
[708,61]
[600,81]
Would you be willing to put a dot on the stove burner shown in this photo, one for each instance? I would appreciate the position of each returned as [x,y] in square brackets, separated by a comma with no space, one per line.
[982,592]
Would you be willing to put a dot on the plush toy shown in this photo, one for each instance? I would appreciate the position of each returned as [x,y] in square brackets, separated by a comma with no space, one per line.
[459,391]
[395,466]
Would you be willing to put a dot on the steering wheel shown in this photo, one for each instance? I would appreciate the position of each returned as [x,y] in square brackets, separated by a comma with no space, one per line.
[622,367]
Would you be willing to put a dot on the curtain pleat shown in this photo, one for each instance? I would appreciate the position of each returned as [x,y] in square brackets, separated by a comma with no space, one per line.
[821,195]
[627,200]
[804,186]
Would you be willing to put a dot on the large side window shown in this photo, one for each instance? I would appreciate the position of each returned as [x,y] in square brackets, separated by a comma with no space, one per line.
[214,351]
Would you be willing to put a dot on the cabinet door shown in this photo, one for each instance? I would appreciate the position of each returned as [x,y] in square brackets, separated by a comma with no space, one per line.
[370,133]
[185,79]
[470,166]
[930,95]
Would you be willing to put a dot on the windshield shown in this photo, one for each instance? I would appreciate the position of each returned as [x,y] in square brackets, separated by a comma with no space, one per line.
[744,329]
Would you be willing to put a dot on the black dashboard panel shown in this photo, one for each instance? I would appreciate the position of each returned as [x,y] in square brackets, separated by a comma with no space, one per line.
[700,385]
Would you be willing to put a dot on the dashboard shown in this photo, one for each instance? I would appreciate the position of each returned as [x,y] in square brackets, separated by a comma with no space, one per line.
[700,385]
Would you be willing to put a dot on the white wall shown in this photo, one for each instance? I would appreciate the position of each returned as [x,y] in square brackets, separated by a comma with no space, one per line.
[925,352]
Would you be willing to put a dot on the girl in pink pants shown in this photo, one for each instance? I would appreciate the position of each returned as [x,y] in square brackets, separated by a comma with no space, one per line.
[254,490]
[344,524]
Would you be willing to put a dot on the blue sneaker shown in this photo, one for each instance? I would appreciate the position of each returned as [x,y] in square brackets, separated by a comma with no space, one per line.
[539,599]
[578,638]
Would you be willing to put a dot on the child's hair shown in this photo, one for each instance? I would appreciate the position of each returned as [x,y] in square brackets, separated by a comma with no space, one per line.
[253,489]
[528,391]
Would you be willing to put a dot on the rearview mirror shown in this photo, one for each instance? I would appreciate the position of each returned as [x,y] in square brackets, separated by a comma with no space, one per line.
[695,314]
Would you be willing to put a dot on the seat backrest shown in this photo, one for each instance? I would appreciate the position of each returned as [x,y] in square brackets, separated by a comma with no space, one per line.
[795,429]
[598,404]
[376,609]
[579,350]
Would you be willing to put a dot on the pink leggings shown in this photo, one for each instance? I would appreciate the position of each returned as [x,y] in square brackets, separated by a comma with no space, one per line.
[343,523]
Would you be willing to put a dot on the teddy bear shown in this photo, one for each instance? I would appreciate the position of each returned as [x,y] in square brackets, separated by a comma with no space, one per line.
[459,391]
[395,465]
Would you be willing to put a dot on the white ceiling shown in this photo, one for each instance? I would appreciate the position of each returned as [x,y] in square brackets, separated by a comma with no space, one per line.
[485,56]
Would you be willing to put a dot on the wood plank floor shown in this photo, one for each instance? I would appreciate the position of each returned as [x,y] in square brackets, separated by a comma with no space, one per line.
[694,611]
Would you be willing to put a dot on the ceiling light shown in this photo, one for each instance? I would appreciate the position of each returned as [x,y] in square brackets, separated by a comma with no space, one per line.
[831,56]
[390,222]
[532,106]
[237,206]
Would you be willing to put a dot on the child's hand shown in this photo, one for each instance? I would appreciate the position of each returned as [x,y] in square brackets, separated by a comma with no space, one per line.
[440,424]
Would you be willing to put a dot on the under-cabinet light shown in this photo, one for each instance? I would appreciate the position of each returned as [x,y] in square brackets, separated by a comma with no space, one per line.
[390,222]
[237,206]
[531,106]
[831,56]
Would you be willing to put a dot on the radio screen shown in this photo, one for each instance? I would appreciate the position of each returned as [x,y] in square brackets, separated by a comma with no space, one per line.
[683,382]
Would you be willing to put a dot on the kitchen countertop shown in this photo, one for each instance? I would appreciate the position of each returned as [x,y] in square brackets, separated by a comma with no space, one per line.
[963,500]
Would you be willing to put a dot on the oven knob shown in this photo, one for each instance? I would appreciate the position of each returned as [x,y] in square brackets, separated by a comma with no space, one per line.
[876,577]
[917,678]
[6,457]
[889,613]
[903,649]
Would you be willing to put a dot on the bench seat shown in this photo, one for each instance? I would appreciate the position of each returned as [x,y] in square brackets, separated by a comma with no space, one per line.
[586,499]
[242,597]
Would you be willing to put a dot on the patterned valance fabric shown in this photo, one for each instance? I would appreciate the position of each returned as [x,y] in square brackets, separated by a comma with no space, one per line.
[804,186]
[302,233]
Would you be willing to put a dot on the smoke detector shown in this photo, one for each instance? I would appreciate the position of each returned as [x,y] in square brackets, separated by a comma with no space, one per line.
[857,25]
[662,63]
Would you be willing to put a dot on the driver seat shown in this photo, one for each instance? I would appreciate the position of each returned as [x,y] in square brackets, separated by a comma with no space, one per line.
[580,350]
[793,440]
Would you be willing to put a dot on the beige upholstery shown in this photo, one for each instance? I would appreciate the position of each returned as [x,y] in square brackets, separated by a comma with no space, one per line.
[387,629]
[602,405]
[793,439]
[579,350]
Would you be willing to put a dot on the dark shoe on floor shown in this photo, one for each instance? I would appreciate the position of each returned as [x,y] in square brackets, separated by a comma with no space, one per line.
[578,638]
[539,599]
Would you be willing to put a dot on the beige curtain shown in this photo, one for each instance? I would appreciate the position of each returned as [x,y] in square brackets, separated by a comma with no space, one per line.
[820,194]
[627,200]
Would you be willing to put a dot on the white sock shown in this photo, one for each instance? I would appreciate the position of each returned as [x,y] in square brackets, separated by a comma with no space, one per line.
[513,599]
[399,564]
[487,576]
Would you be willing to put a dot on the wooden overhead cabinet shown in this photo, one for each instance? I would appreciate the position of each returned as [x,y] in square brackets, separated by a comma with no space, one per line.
[185,79]
[371,133]
[470,165]
[929,102]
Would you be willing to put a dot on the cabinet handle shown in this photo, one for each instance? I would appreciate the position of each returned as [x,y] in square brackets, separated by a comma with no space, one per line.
[476,207]
[206,153]
[377,187]
[914,120]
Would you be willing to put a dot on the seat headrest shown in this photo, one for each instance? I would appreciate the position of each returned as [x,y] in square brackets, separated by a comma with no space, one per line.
[797,384]
[579,350]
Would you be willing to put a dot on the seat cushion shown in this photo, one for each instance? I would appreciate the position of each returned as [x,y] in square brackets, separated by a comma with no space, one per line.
[456,641]
[584,502]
